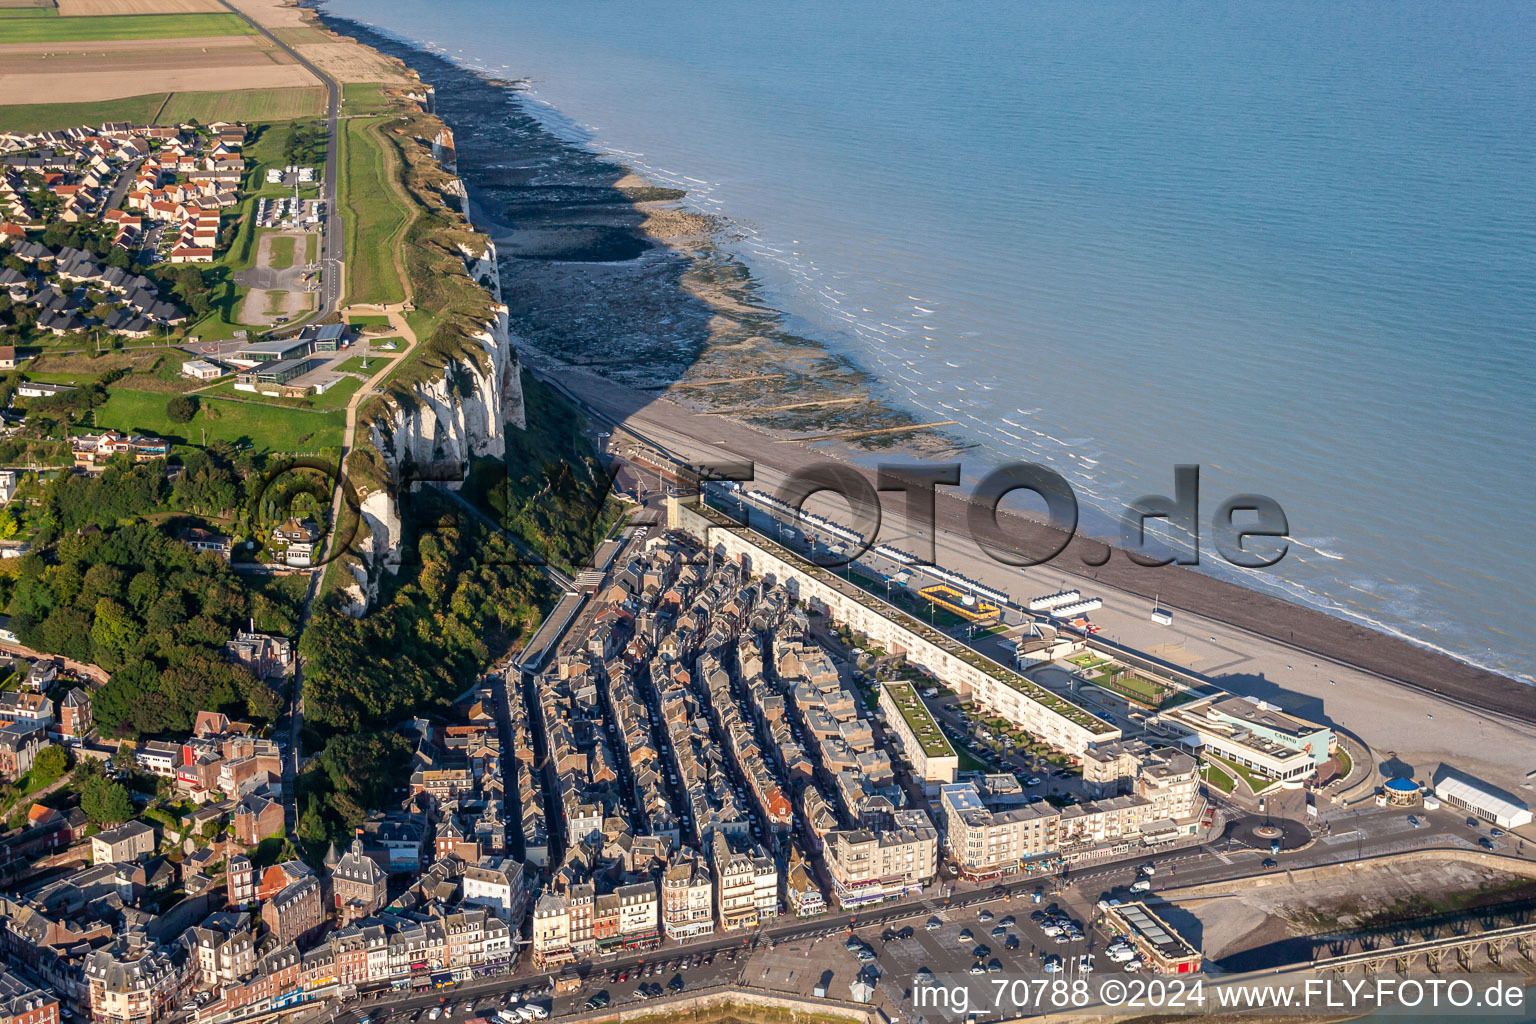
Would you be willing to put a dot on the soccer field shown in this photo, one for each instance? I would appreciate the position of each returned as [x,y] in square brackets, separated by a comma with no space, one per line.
[121,26]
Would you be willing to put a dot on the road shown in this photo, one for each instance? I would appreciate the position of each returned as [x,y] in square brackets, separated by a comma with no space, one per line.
[331,237]
[330,297]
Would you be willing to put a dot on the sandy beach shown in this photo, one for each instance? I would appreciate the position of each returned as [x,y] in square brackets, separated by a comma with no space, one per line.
[1409,704]
[621,298]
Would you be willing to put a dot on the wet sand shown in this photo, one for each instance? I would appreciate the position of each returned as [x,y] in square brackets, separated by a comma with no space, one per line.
[619,295]
[1379,687]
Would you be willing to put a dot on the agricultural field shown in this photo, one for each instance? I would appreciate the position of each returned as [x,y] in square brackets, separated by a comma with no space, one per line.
[94,8]
[90,70]
[46,29]
[374,214]
[34,117]
[284,104]
[264,426]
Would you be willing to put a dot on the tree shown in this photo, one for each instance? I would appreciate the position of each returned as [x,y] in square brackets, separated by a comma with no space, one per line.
[50,765]
[181,409]
[105,802]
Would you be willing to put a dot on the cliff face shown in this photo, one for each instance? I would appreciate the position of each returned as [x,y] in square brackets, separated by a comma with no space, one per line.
[459,413]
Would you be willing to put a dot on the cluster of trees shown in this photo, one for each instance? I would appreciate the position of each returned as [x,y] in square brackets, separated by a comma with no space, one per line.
[153,613]
[46,415]
[181,408]
[208,484]
[467,601]
[187,286]
[123,490]
[550,490]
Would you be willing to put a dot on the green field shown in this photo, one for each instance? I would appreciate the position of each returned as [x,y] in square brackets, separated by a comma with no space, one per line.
[263,426]
[368,321]
[311,247]
[245,105]
[44,29]
[373,213]
[280,252]
[366,98]
[35,117]
[29,11]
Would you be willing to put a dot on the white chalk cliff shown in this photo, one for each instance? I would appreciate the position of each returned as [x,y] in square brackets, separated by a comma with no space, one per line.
[461,413]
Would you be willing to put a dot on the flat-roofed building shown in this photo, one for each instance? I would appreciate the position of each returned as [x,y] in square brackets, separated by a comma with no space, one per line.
[274,351]
[1482,800]
[200,369]
[917,733]
[1158,944]
[1254,734]
[869,867]
[986,843]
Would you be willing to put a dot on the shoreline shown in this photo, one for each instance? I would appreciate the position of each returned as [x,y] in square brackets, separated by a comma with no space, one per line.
[570,231]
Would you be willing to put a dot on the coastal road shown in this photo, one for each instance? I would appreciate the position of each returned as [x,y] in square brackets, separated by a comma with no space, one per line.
[1446,717]
[331,239]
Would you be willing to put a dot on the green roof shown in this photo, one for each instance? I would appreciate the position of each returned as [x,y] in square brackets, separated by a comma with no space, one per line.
[919,720]
[1035,692]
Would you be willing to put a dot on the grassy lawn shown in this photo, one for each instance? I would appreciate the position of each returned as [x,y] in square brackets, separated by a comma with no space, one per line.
[280,252]
[355,364]
[374,215]
[366,98]
[1217,778]
[123,26]
[1345,763]
[245,105]
[33,117]
[1256,781]
[311,247]
[337,395]
[264,426]
[368,321]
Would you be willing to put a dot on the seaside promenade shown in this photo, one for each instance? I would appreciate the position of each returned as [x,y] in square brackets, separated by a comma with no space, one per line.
[1303,660]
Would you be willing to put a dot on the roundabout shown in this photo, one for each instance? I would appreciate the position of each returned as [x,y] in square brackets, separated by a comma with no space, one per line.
[1258,832]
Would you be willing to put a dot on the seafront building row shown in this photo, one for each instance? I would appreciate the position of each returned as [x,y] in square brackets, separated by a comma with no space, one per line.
[694,760]
[1052,718]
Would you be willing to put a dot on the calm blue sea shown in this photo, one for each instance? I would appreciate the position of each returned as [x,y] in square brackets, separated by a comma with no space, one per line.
[1293,243]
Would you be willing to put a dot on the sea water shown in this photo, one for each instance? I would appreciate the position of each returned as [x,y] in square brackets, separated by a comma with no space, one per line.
[1293,243]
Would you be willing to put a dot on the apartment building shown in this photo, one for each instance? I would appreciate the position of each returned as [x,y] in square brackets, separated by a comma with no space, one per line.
[869,867]
[687,897]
